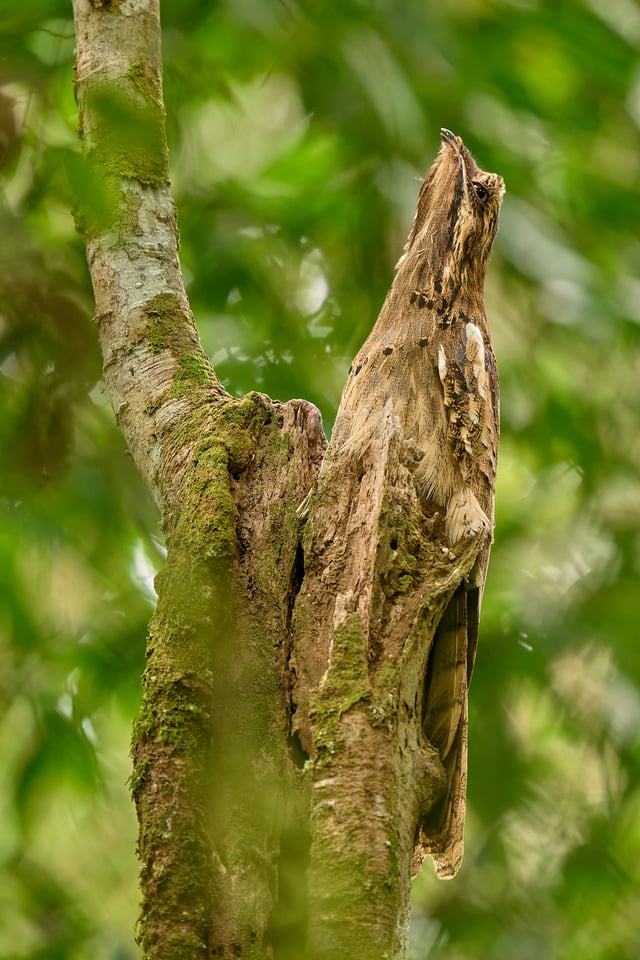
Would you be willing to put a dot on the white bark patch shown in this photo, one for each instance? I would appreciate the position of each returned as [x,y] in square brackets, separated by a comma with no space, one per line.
[343,608]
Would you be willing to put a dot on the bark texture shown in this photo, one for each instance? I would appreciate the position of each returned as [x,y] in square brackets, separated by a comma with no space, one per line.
[280,768]
[378,576]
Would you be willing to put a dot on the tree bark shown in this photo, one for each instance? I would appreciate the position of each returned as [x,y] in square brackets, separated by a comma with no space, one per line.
[378,577]
[280,770]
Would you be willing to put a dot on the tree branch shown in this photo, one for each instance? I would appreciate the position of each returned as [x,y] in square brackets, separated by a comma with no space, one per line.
[155,368]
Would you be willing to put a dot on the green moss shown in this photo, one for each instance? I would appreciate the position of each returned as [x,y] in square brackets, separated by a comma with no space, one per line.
[347,681]
[168,327]
[386,678]
[144,724]
[145,81]
[239,423]
[399,557]
[175,727]
[349,887]
[141,771]
[172,736]
[345,684]
[128,128]
[384,701]
[223,440]
[207,526]
[193,371]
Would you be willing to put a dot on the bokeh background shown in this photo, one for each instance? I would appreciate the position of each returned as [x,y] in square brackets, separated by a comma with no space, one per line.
[298,133]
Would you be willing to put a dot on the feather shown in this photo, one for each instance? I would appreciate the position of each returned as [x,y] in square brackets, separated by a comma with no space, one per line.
[429,355]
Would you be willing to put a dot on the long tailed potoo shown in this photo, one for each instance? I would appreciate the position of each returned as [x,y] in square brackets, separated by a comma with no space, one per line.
[430,354]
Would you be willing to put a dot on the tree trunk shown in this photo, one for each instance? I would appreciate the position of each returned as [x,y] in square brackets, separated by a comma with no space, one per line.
[377,580]
[280,769]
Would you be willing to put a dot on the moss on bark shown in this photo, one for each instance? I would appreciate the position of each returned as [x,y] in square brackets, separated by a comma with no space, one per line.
[127,129]
[212,729]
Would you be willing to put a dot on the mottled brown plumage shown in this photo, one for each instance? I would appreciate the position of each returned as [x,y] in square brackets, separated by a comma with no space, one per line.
[429,355]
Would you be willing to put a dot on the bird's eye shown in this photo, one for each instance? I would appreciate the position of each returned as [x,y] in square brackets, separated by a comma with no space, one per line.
[481,192]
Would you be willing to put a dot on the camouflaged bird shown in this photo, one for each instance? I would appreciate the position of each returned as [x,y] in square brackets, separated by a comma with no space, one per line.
[430,355]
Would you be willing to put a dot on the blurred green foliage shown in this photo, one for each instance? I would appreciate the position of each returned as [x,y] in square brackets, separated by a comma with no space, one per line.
[298,132]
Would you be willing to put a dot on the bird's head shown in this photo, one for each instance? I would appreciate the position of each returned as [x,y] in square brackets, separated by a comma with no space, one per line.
[457,214]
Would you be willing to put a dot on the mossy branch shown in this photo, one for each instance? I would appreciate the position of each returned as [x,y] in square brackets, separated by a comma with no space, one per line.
[155,367]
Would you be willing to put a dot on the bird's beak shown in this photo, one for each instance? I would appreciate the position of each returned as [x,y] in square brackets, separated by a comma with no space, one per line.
[447,135]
